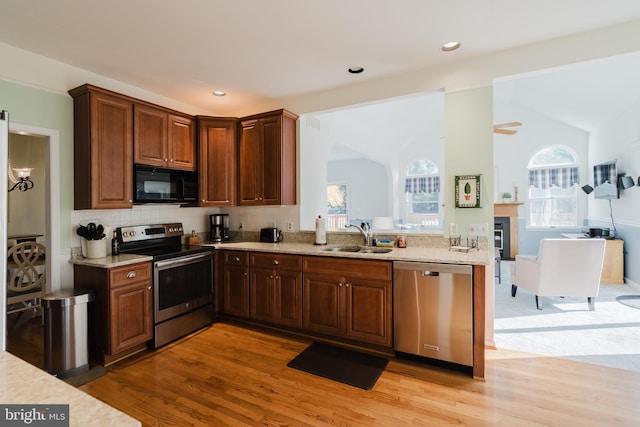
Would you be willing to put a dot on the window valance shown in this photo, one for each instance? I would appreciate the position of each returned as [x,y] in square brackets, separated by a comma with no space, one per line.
[559,177]
[422,184]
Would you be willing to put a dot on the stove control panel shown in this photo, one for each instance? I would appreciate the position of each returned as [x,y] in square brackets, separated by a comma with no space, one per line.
[137,233]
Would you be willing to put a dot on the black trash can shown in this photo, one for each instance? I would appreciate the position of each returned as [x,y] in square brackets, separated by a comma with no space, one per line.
[66,349]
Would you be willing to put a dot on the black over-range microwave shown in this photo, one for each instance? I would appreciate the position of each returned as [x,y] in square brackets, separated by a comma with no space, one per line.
[162,185]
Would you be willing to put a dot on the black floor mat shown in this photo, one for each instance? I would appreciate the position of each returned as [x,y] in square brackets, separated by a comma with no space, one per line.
[339,364]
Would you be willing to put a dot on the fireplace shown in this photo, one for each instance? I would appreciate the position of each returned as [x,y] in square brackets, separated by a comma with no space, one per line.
[502,236]
[506,214]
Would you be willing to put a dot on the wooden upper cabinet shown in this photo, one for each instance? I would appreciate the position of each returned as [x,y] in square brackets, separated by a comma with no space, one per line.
[163,139]
[217,161]
[267,159]
[103,146]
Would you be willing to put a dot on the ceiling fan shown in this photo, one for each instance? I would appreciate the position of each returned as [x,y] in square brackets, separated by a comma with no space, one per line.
[500,128]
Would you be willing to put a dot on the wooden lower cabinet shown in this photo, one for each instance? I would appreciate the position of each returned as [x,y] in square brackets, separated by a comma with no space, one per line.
[276,289]
[343,298]
[121,316]
[353,301]
[235,283]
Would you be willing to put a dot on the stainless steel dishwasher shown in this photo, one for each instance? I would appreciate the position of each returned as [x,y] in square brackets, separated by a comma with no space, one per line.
[433,311]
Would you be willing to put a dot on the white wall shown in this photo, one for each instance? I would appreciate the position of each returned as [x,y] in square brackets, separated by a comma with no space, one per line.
[368,183]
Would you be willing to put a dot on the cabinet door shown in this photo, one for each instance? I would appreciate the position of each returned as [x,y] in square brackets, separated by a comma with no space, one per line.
[181,142]
[249,165]
[271,147]
[368,311]
[236,291]
[150,136]
[262,285]
[217,162]
[322,309]
[130,316]
[288,298]
[103,172]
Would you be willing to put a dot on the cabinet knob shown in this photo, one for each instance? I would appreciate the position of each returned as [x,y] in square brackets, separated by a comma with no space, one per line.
[170,160]
[346,285]
[275,262]
[148,288]
[131,275]
[236,259]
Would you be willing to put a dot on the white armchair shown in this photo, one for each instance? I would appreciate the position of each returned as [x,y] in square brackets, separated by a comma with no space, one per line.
[563,267]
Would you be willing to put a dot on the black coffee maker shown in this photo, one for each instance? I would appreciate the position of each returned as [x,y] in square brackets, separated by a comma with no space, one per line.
[219,227]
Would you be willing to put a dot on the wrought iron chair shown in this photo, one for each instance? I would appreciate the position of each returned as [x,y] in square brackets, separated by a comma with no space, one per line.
[26,277]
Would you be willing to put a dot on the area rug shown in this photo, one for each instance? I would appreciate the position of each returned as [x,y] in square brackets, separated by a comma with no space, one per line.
[339,364]
[629,300]
[81,379]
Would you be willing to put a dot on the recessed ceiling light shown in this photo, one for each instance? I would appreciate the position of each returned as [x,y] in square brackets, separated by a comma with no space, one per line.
[219,93]
[448,47]
[356,70]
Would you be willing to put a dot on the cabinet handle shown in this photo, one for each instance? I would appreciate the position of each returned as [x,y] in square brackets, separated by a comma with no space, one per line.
[131,275]
[275,262]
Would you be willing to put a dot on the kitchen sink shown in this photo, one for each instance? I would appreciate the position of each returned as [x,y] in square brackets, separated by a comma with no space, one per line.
[374,250]
[361,249]
[342,249]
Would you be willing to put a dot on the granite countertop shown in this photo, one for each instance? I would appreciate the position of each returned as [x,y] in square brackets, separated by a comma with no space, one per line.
[412,253]
[24,384]
[111,261]
[420,254]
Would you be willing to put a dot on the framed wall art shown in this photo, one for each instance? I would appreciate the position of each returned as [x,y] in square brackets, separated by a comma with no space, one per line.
[468,191]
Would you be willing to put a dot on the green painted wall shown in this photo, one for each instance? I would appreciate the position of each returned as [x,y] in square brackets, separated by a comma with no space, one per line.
[468,118]
[35,107]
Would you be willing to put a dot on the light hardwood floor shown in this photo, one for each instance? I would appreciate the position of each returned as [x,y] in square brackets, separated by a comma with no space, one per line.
[230,375]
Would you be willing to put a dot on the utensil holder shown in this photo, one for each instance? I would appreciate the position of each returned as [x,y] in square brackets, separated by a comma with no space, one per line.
[96,248]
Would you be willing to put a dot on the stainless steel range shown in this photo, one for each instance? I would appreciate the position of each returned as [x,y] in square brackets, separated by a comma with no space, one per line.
[183,277]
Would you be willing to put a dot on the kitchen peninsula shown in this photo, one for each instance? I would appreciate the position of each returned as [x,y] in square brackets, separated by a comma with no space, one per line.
[264,282]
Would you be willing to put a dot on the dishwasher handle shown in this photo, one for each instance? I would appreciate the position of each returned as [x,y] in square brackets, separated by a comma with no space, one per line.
[433,269]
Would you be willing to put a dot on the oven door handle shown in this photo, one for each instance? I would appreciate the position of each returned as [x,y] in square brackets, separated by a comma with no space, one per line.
[181,261]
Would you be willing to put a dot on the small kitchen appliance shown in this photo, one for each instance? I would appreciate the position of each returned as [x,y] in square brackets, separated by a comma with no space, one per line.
[270,235]
[219,227]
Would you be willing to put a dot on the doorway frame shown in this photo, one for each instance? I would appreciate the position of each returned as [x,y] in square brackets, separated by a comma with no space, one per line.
[52,209]
[52,197]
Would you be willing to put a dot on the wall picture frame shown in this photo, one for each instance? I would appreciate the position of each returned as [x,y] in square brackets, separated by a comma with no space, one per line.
[467,191]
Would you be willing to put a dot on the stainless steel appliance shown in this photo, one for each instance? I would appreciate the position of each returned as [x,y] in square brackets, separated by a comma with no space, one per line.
[161,185]
[433,311]
[183,292]
[219,227]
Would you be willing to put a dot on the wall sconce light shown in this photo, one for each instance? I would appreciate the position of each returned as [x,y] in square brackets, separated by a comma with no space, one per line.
[24,183]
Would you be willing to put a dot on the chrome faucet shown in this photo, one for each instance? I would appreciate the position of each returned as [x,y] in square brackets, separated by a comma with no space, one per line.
[364,230]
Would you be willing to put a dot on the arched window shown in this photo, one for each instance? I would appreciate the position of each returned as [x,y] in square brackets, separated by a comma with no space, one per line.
[553,188]
[422,191]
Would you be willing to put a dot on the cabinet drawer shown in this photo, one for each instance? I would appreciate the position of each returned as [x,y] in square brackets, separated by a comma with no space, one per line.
[239,258]
[120,276]
[350,267]
[273,260]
